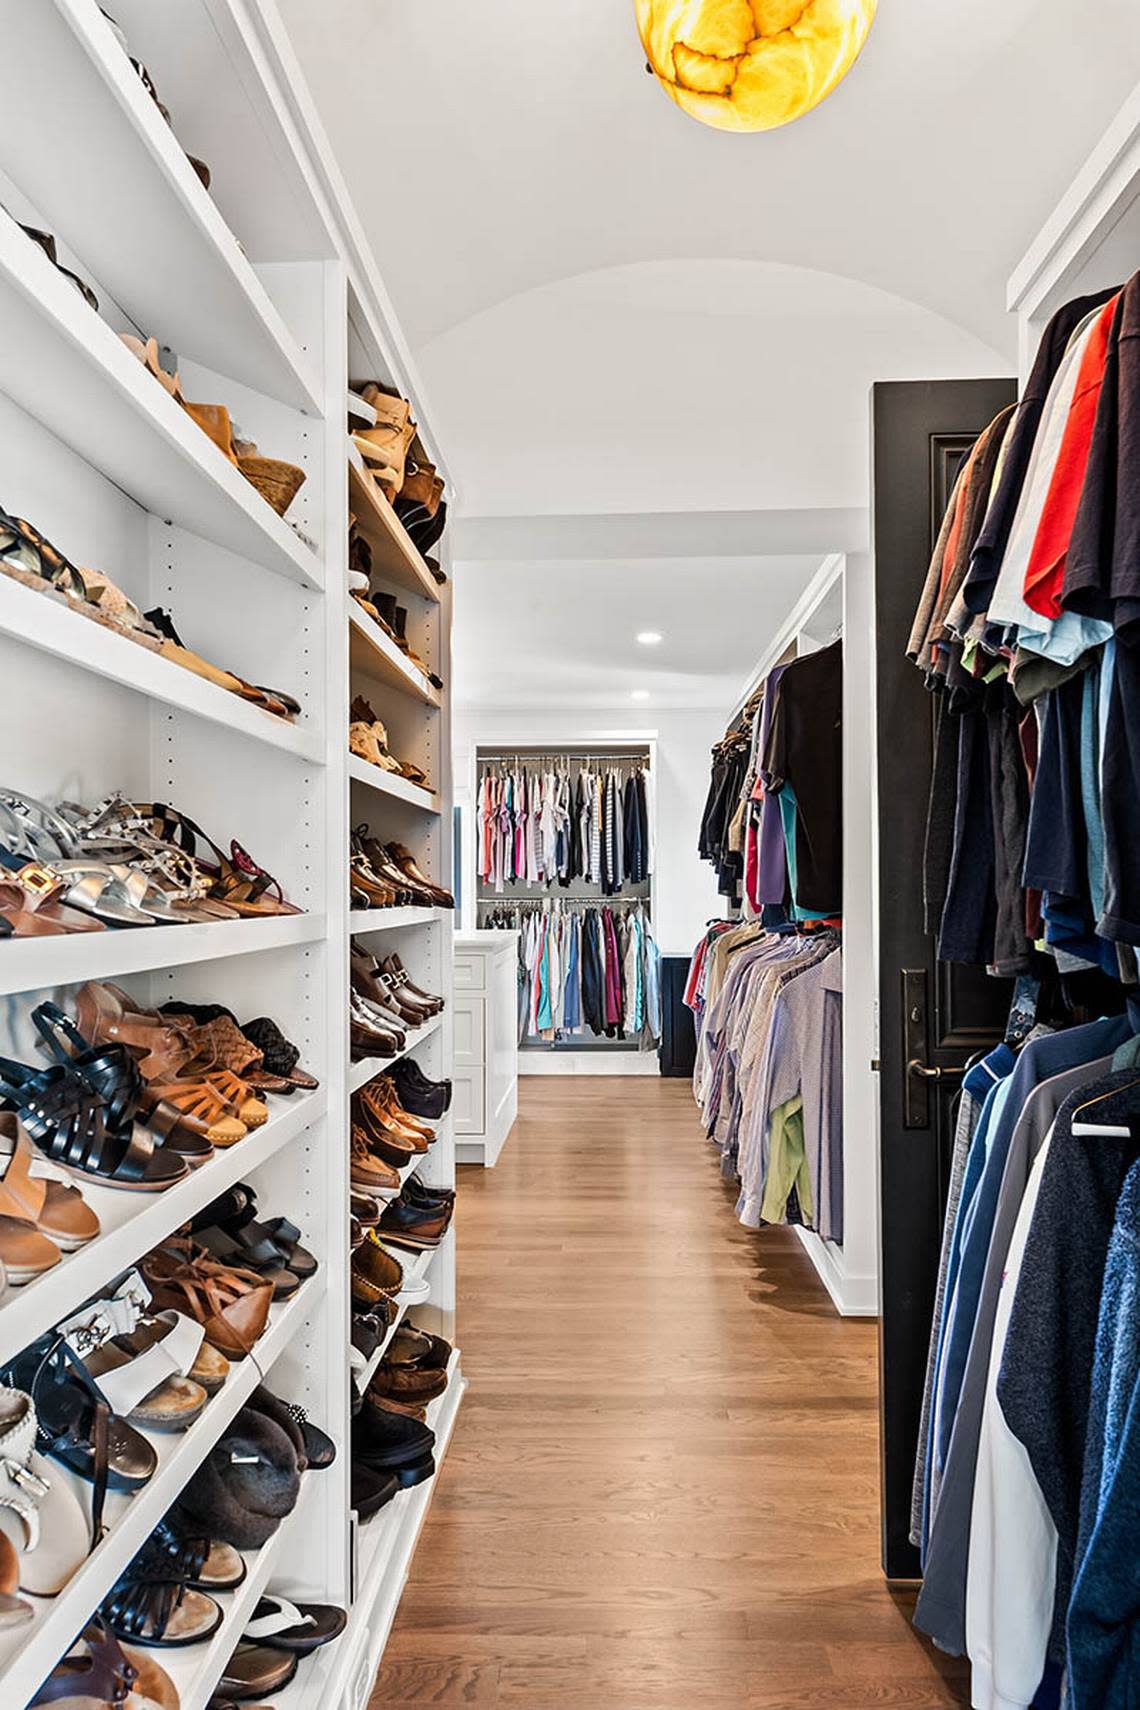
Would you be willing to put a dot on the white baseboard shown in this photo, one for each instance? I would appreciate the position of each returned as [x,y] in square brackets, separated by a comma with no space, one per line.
[854,1297]
[589,1063]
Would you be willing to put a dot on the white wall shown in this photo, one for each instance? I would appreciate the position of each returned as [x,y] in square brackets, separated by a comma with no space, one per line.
[685,893]
[678,386]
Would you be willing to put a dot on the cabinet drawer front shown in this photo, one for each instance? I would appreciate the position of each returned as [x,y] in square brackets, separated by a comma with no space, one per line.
[467,1101]
[470,1031]
[470,972]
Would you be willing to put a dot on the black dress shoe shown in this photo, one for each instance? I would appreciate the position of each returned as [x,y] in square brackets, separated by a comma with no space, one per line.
[385,1440]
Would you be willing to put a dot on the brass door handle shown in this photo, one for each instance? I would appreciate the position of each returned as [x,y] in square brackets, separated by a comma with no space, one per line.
[919,1070]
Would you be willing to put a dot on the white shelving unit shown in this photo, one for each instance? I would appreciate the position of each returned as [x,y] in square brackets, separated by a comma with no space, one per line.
[268,297]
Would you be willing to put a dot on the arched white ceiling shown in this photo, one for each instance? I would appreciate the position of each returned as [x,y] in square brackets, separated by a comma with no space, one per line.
[492,148]
[671,386]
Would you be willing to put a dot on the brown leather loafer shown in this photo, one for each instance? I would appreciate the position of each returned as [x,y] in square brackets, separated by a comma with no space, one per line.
[415,1386]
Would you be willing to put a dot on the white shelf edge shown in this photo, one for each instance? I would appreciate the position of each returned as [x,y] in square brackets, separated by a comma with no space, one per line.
[48,623]
[391,784]
[373,512]
[368,1068]
[359,411]
[27,1312]
[26,964]
[26,271]
[125,88]
[412,679]
[390,919]
[131,1520]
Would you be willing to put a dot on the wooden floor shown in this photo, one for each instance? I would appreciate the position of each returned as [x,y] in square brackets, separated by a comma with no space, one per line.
[662,1492]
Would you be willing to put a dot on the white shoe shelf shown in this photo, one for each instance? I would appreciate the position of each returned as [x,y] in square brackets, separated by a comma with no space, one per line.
[264,294]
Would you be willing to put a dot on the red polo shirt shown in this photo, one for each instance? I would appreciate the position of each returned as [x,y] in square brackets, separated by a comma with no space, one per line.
[1046,571]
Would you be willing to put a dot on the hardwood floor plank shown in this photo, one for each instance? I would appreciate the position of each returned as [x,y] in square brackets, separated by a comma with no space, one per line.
[662,1492]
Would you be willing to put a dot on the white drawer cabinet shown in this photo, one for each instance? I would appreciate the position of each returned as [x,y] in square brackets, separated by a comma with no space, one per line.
[485,1072]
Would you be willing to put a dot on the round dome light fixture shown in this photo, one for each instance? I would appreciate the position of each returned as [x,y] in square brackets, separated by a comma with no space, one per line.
[752,65]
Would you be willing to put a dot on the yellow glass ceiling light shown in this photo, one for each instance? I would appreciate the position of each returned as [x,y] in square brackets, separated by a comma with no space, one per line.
[751,65]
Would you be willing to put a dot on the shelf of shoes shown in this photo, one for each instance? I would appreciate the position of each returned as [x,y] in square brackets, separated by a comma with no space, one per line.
[53,625]
[386,1545]
[159,245]
[394,557]
[197,1669]
[375,654]
[32,1650]
[391,784]
[65,366]
[366,1070]
[72,958]
[132,1223]
[363,920]
[125,479]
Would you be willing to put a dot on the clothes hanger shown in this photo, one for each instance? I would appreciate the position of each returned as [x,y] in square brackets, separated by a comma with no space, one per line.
[1127,1127]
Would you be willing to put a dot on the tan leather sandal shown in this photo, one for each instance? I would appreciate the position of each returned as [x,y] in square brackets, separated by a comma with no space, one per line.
[232,1305]
[60,1214]
[25,1251]
[167,1062]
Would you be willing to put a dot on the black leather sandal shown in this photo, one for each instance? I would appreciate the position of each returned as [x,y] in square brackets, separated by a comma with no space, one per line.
[164,1613]
[112,1072]
[73,1126]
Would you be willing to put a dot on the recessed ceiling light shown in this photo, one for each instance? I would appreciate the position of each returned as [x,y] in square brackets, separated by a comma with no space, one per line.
[639,695]
[650,638]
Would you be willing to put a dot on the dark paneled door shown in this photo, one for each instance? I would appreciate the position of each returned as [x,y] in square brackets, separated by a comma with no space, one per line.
[931,1017]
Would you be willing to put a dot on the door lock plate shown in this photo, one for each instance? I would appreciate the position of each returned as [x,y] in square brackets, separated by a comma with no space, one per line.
[916,1089]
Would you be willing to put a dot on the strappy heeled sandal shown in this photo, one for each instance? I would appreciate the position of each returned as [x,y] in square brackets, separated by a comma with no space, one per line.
[236,879]
[40,1514]
[164,1056]
[100,1674]
[178,887]
[232,1305]
[69,1124]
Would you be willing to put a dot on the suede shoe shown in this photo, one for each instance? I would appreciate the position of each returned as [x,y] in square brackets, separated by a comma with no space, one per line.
[382,1438]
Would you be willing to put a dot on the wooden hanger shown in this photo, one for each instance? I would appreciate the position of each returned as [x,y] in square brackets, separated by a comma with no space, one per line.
[1128,1128]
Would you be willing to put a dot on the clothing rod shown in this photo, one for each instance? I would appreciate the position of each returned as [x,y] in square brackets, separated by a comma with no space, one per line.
[506,902]
[545,754]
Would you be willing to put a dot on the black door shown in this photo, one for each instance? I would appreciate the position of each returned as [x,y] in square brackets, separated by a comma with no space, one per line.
[930,1014]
